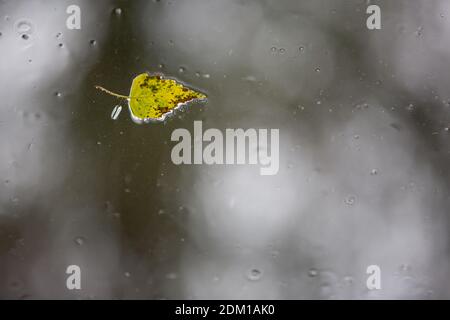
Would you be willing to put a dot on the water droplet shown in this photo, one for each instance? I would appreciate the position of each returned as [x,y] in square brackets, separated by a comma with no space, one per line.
[24,26]
[127,274]
[60,45]
[419,31]
[348,280]
[350,200]
[405,268]
[57,94]
[374,172]
[160,66]
[59,34]
[254,274]
[79,241]
[273,49]
[116,112]
[356,137]
[312,273]
[118,11]
[206,76]
[301,49]
[317,70]
[92,42]
[282,50]
[181,69]
[25,36]
[197,74]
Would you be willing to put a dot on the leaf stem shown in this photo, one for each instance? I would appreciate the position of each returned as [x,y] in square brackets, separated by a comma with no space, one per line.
[112,93]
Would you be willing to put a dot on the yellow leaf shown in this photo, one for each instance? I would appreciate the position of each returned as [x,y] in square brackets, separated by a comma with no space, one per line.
[154,97]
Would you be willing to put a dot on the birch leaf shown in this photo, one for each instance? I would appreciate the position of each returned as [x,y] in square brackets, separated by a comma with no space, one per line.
[154,97]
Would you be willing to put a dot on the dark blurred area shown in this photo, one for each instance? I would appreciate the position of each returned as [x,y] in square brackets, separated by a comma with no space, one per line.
[364,121]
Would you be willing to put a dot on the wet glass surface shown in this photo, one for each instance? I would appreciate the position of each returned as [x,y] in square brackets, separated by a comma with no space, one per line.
[364,121]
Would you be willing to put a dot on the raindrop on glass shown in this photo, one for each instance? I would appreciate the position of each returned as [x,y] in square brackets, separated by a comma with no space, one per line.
[350,200]
[312,273]
[348,281]
[405,268]
[116,112]
[79,241]
[24,26]
[254,274]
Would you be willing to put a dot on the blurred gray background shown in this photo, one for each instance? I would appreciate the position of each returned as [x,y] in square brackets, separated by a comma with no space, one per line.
[364,179]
